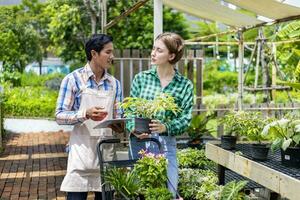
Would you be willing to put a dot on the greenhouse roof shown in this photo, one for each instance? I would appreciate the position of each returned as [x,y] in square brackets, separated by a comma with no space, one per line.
[215,11]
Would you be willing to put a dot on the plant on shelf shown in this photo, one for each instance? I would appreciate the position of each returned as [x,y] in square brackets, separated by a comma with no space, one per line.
[233,125]
[285,135]
[193,158]
[144,110]
[252,124]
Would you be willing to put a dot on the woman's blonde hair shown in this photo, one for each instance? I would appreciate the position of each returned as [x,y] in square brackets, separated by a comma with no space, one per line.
[174,44]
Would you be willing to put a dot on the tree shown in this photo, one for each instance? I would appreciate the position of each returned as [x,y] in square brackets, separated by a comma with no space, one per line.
[19,41]
[70,23]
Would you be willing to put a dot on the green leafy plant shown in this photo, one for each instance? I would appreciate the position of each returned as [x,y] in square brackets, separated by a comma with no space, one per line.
[198,126]
[284,133]
[124,182]
[232,191]
[158,194]
[149,108]
[233,122]
[151,170]
[193,158]
[198,184]
[252,124]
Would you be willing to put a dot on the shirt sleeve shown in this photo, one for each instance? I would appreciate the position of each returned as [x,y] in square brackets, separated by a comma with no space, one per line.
[118,112]
[65,115]
[135,91]
[178,125]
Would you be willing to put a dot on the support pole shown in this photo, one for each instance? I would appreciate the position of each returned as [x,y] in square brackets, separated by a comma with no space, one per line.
[241,70]
[103,16]
[158,17]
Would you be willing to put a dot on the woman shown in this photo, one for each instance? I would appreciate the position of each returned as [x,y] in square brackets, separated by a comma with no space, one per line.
[167,50]
[88,95]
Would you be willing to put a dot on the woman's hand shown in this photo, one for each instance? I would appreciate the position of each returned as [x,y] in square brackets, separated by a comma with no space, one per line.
[140,135]
[157,127]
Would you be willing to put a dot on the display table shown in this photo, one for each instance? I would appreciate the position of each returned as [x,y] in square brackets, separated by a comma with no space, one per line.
[270,174]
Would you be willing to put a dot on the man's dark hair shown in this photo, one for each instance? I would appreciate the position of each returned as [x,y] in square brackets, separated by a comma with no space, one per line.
[96,43]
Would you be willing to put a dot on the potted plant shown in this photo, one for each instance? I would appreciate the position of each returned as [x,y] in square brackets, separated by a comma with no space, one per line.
[233,126]
[285,135]
[145,110]
[198,128]
[252,125]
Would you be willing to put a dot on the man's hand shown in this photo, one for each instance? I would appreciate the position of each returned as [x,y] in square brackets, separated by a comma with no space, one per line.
[157,127]
[96,113]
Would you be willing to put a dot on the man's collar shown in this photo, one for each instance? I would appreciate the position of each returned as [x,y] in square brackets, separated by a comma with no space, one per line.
[90,74]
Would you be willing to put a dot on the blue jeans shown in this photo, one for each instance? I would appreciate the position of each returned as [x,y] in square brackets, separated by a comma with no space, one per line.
[169,150]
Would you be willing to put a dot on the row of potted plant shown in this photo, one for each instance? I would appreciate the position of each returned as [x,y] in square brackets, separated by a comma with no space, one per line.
[264,132]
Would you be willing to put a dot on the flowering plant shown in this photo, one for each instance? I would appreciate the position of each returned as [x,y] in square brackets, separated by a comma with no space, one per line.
[151,170]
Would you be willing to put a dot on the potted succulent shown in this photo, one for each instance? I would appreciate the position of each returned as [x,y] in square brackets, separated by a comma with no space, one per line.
[233,126]
[285,135]
[145,110]
[252,126]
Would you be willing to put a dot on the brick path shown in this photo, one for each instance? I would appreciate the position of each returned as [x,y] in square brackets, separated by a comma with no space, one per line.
[33,166]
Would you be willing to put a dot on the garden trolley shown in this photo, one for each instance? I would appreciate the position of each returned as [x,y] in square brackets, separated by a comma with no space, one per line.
[105,165]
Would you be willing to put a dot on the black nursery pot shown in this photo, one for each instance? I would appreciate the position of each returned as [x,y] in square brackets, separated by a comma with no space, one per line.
[291,157]
[228,142]
[260,151]
[142,125]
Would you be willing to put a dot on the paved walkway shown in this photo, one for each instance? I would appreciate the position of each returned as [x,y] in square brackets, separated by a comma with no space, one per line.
[33,166]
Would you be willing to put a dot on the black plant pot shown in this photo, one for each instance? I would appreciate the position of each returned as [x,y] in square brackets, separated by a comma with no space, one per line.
[260,151]
[228,142]
[291,157]
[142,125]
[195,143]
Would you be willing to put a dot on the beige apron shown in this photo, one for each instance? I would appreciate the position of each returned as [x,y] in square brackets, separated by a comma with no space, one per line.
[83,173]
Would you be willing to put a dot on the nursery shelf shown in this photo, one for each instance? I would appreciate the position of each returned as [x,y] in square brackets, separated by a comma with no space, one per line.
[270,174]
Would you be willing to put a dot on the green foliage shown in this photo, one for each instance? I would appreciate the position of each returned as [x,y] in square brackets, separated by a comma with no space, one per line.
[20,41]
[231,191]
[151,170]
[219,81]
[158,194]
[193,158]
[288,54]
[198,184]
[197,127]
[124,182]
[30,102]
[149,108]
[12,77]
[233,122]
[284,133]
[70,24]
[251,125]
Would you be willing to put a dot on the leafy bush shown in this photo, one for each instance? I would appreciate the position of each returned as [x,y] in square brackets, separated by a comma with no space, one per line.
[34,80]
[198,184]
[158,194]
[30,102]
[13,77]
[193,158]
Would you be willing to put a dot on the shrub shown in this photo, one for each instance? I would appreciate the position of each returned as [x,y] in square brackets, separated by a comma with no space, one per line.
[193,158]
[30,102]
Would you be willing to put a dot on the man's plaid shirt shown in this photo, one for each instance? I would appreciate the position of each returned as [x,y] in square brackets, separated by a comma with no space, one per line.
[147,85]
